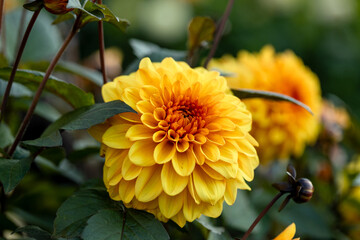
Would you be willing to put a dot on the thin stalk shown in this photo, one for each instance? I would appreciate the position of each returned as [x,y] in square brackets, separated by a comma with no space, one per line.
[101,48]
[17,61]
[219,32]
[51,67]
[261,215]
[123,225]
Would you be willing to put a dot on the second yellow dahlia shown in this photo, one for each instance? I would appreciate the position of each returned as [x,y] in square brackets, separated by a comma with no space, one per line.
[281,128]
[185,150]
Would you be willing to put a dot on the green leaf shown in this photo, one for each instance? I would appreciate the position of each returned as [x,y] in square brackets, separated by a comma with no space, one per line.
[201,29]
[205,222]
[17,90]
[73,214]
[74,4]
[109,17]
[107,225]
[249,93]
[34,232]
[222,236]
[33,6]
[6,138]
[68,92]
[52,140]
[239,214]
[81,118]
[64,17]
[12,172]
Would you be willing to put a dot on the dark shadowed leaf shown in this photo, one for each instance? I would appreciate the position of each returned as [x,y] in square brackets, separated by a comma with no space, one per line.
[237,216]
[249,93]
[17,90]
[6,138]
[222,236]
[12,172]
[107,225]
[201,29]
[33,6]
[52,140]
[34,232]
[73,214]
[68,92]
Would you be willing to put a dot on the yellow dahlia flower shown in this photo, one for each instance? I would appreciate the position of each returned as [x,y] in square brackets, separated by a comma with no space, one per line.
[281,128]
[185,150]
[288,233]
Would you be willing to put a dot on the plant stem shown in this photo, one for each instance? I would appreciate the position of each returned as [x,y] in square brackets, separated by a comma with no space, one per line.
[51,67]
[219,32]
[123,224]
[2,199]
[261,215]
[101,48]
[17,61]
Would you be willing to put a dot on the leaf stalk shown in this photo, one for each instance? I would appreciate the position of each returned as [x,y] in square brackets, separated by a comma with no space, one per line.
[17,61]
[51,67]
[219,32]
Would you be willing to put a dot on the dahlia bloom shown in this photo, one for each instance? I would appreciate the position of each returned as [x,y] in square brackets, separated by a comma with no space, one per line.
[185,150]
[281,128]
[288,233]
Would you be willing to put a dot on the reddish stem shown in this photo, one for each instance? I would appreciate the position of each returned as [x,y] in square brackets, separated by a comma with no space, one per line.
[51,67]
[261,215]
[102,48]
[17,61]
[219,32]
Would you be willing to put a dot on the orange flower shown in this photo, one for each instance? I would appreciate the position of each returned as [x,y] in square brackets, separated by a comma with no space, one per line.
[281,128]
[57,6]
[185,151]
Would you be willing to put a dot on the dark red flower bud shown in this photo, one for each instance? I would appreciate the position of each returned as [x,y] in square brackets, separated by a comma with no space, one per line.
[57,6]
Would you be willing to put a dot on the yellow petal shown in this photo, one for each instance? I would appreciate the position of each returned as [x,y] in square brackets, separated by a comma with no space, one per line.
[218,124]
[139,132]
[211,172]
[98,130]
[149,120]
[159,136]
[145,107]
[159,114]
[246,167]
[110,92]
[127,190]
[228,153]
[172,182]
[114,193]
[213,211]
[191,210]
[141,153]
[192,191]
[216,138]
[246,147]
[208,189]
[170,205]
[115,156]
[156,101]
[129,171]
[131,117]
[199,156]
[114,137]
[227,170]
[164,152]
[288,233]
[211,151]
[147,91]
[148,184]
[183,163]
[182,145]
[131,96]
[179,219]
[230,191]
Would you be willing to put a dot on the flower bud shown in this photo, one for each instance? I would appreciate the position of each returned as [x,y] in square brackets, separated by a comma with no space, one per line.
[304,190]
[57,6]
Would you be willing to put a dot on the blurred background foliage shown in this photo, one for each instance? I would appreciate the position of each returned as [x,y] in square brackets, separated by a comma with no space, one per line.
[324,33]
